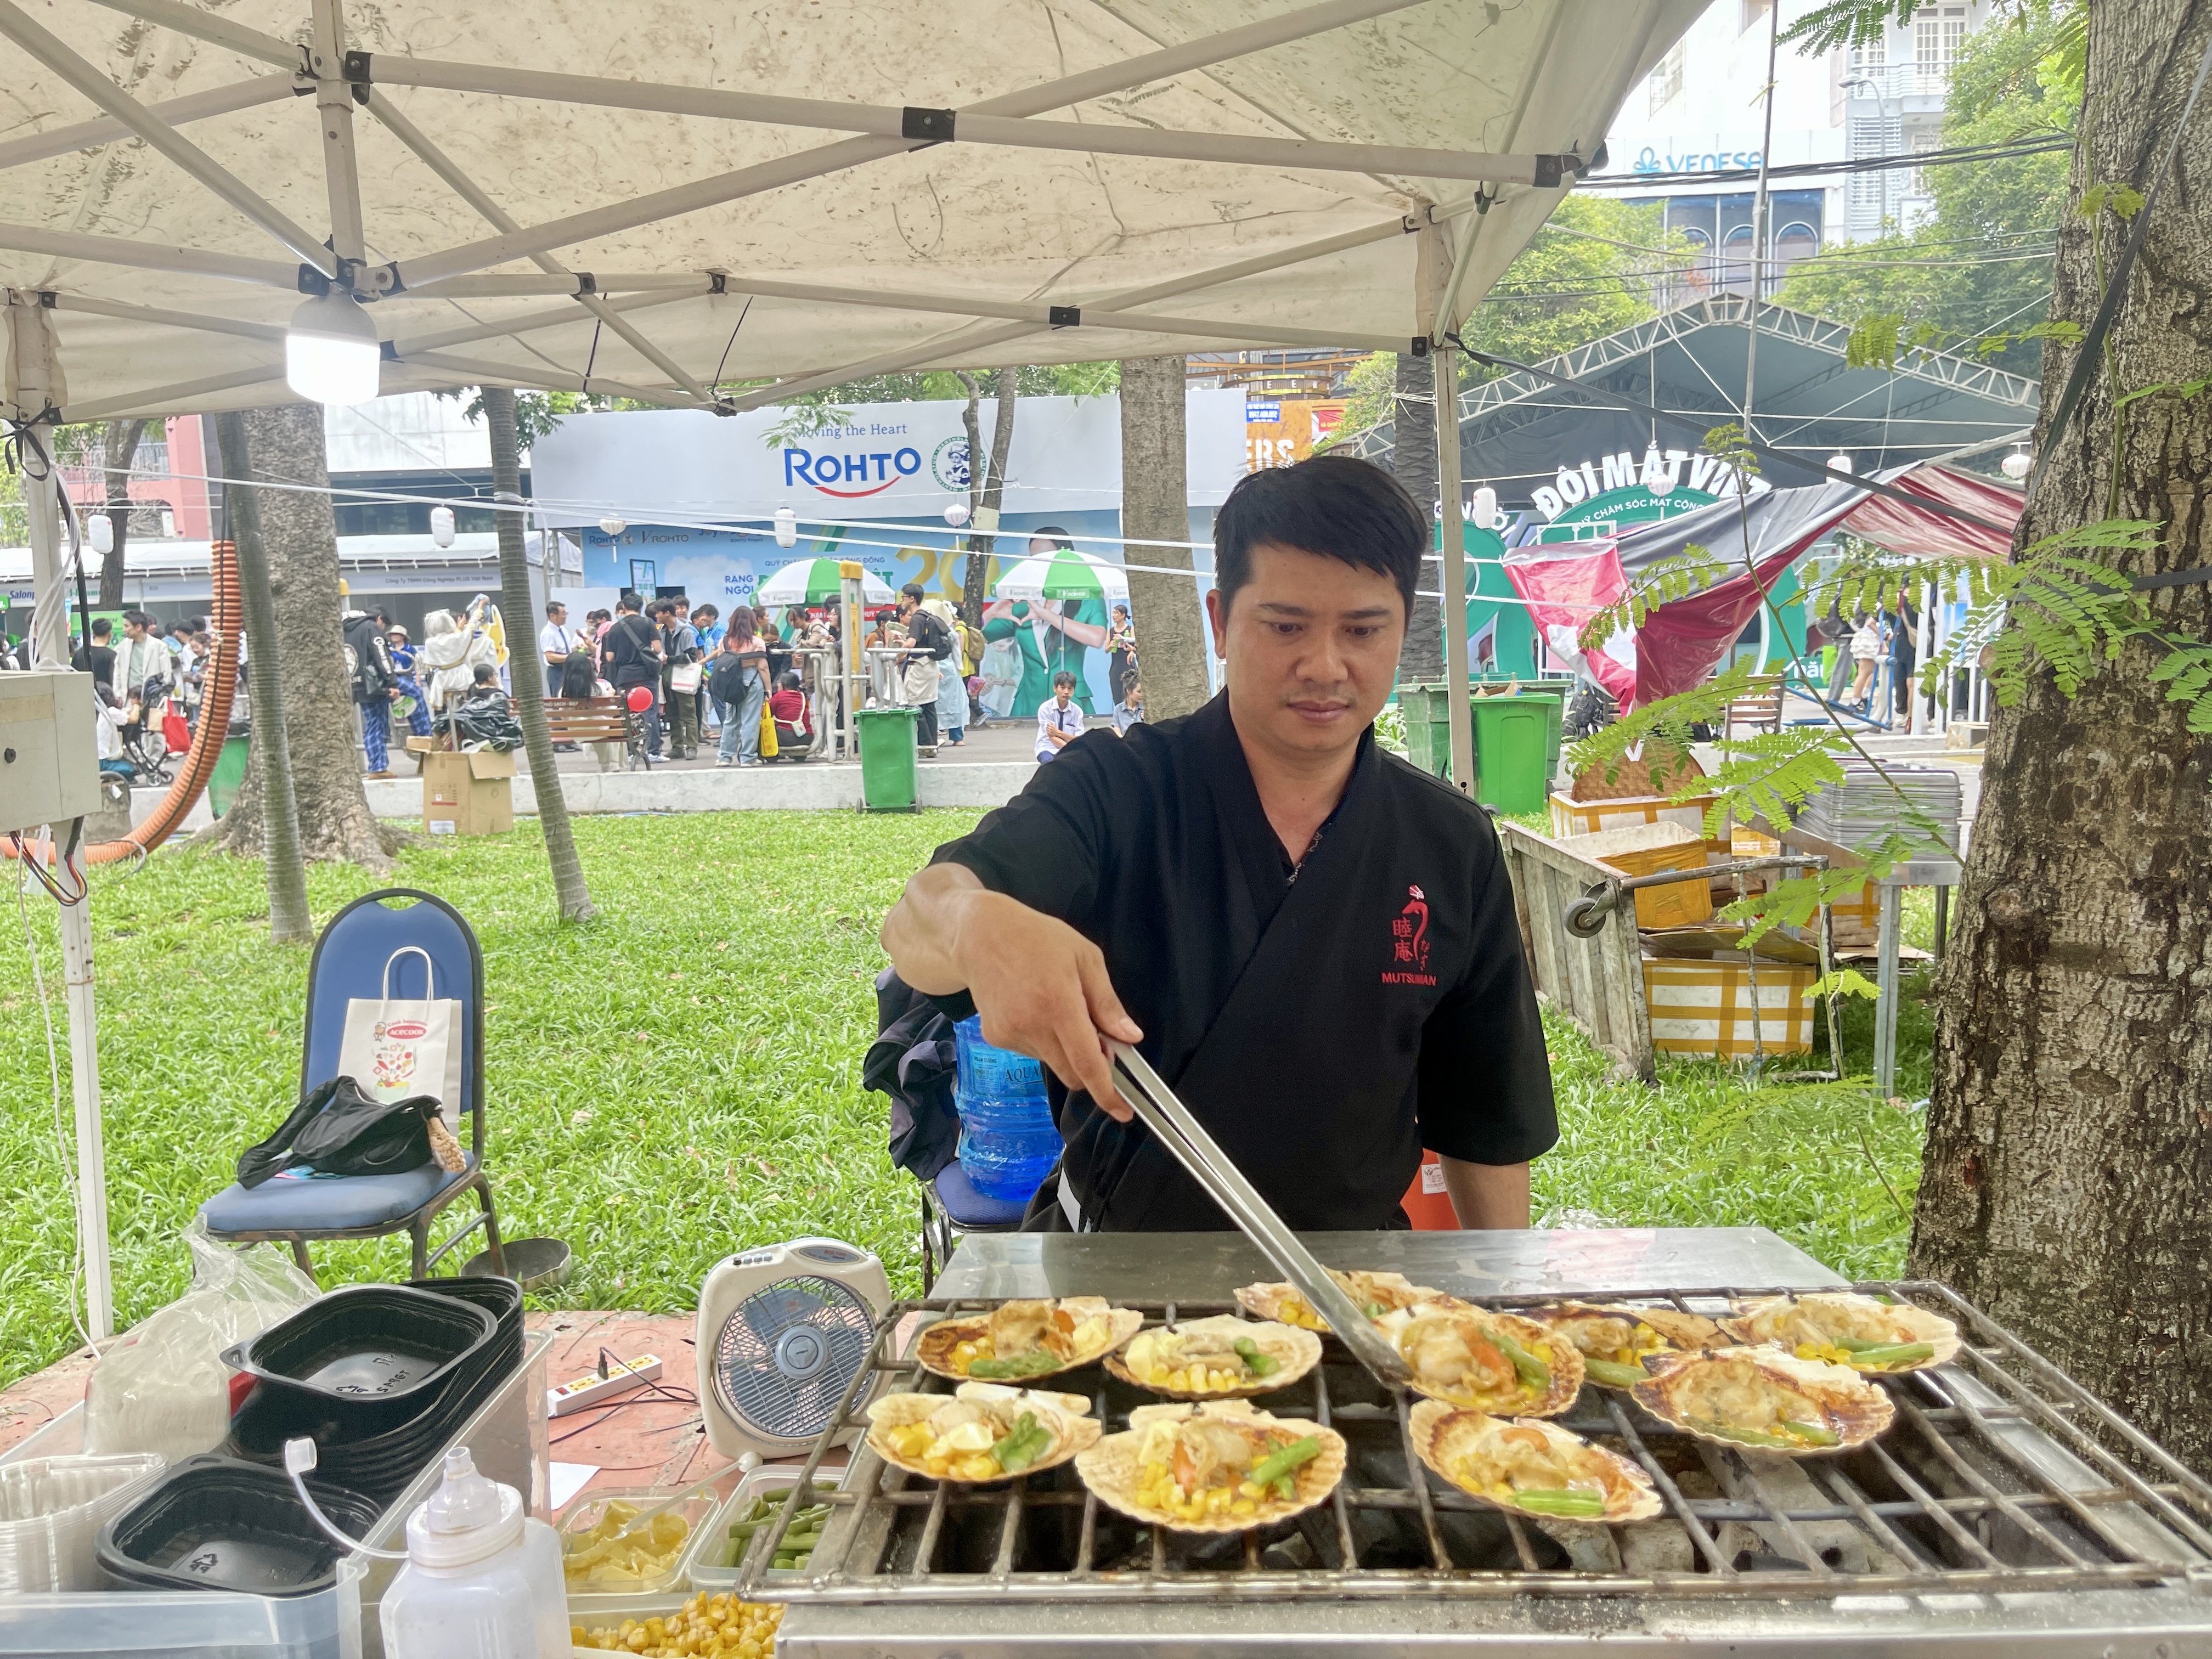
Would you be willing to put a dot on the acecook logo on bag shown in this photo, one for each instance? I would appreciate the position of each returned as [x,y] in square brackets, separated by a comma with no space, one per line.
[407,1030]
[1409,942]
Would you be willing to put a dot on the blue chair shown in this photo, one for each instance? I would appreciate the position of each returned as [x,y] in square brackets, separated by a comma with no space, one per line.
[959,1210]
[348,963]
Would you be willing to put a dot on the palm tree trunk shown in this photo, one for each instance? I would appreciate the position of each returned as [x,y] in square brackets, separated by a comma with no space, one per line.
[297,545]
[1155,507]
[269,772]
[570,894]
[118,452]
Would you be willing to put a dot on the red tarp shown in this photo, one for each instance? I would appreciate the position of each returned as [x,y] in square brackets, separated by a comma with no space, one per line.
[1680,643]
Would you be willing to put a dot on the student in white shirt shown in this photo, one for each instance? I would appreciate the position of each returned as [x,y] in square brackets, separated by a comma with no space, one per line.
[1059,722]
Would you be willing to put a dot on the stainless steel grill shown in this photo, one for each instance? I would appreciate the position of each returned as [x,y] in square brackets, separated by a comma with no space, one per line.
[2002,1477]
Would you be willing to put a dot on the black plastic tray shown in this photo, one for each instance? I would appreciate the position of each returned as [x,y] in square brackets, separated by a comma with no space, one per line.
[373,1357]
[213,1524]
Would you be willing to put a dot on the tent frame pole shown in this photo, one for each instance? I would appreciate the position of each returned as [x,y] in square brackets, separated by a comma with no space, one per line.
[467,189]
[250,94]
[211,26]
[95,88]
[148,256]
[945,126]
[49,649]
[1451,554]
[852,152]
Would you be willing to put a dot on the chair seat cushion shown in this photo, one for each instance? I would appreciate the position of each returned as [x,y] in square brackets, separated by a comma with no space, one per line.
[319,1205]
[970,1208]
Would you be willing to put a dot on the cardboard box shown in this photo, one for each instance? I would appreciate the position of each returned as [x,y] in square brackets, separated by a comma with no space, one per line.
[1571,816]
[470,794]
[1706,1007]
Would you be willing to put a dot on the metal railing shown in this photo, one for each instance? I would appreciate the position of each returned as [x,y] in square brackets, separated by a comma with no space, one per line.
[2001,1475]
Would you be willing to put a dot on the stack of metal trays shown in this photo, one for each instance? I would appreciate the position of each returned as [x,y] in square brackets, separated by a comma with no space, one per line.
[1873,803]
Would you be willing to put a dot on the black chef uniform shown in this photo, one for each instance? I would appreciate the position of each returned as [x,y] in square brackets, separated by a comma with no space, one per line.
[1324,1023]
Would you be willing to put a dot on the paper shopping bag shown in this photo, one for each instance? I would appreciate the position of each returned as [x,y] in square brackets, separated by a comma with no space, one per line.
[395,1049]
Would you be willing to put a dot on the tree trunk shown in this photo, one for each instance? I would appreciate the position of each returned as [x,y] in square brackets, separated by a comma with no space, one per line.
[289,922]
[1413,458]
[570,895]
[972,581]
[2069,1145]
[988,488]
[1164,608]
[118,454]
[299,540]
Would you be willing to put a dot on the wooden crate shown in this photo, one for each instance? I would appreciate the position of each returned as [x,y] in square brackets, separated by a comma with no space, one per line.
[1571,816]
[1705,1007]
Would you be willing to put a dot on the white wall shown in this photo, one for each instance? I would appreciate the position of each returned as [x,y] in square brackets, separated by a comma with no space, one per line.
[410,433]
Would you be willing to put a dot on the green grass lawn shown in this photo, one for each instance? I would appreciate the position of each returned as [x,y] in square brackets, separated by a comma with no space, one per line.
[681,1078]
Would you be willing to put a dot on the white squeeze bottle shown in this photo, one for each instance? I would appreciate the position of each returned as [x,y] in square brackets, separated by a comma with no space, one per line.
[483,1580]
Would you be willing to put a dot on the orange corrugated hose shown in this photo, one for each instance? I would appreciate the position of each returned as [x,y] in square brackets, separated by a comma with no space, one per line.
[207,738]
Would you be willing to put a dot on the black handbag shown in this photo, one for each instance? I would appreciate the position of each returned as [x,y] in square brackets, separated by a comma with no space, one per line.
[337,1130]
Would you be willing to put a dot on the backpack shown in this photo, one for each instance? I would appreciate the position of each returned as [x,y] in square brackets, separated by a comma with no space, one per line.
[336,1130]
[725,683]
[930,632]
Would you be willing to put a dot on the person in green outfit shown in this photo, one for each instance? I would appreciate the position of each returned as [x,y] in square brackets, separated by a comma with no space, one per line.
[1052,634]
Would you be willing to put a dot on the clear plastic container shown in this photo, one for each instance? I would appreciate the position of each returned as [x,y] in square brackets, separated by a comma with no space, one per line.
[589,1510]
[709,1569]
[1008,1143]
[51,1509]
[507,1436]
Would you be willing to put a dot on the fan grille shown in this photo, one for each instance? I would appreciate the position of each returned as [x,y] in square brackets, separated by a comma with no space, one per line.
[787,1354]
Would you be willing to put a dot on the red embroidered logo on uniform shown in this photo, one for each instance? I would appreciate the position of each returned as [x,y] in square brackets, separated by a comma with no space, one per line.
[1409,942]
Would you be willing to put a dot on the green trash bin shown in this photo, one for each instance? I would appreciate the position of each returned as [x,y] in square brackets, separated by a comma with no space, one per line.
[229,775]
[1428,738]
[1516,736]
[887,761]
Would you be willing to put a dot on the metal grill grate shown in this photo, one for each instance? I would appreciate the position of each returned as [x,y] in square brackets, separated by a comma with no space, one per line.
[1997,1477]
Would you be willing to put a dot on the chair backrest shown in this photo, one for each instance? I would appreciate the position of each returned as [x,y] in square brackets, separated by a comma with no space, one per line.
[348,963]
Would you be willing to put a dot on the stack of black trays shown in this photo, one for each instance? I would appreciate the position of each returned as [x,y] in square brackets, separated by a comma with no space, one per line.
[213,1524]
[381,1377]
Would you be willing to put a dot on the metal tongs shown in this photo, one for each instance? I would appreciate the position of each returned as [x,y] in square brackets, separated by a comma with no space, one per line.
[1157,1107]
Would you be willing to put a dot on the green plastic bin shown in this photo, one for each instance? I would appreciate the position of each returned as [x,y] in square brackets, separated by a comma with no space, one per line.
[1516,737]
[1503,770]
[230,775]
[888,760]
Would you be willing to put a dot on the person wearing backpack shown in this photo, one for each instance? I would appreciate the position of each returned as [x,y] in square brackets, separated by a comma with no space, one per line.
[375,684]
[931,636]
[632,653]
[737,680]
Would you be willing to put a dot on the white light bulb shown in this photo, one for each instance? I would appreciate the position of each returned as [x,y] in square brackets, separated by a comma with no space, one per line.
[614,524]
[1486,508]
[99,531]
[2017,465]
[1840,462]
[955,514]
[787,528]
[332,354]
[441,525]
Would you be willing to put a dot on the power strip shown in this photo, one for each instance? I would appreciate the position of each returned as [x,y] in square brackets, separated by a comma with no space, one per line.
[592,1388]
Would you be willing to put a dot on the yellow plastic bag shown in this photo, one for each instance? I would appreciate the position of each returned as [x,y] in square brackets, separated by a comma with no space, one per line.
[768,733]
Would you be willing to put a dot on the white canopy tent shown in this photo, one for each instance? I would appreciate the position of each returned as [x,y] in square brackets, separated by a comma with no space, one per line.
[665,200]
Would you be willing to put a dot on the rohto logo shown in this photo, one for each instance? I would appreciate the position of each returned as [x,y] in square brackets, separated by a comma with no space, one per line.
[873,472]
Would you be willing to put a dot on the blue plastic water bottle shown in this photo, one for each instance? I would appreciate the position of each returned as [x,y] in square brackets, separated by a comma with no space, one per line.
[1007,1141]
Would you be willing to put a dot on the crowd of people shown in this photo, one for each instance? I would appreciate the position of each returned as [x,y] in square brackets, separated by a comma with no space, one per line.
[1889,635]
[150,683]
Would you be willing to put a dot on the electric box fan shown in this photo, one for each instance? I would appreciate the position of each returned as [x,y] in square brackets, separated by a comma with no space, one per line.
[782,1332]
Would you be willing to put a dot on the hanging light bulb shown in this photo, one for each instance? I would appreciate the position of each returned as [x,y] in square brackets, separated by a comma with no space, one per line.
[614,524]
[441,525]
[100,533]
[1486,508]
[332,354]
[955,514]
[787,528]
[1840,462]
[2018,464]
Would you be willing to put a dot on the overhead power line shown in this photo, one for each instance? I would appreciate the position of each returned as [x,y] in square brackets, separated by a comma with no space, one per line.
[1933,158]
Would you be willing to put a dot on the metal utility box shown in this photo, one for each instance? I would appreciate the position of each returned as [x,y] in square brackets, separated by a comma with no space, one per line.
[49,758]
